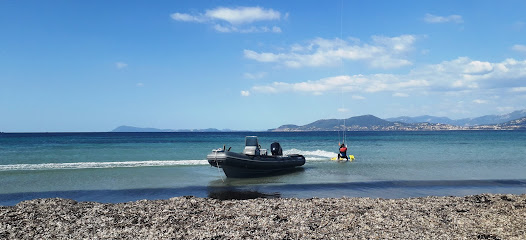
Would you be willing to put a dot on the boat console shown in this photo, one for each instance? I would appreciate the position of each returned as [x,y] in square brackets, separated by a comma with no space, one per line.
[252,147]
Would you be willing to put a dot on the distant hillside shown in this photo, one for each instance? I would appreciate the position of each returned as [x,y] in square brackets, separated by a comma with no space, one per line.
[138,129]
[517,124]
[496,119]
[422,119]
[365,122]
[372,123]
[368,121]
[484,120]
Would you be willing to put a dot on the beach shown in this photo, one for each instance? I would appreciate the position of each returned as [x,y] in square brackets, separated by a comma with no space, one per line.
[484,216]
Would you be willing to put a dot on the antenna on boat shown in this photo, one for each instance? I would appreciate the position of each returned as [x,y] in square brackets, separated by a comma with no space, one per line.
[341,74]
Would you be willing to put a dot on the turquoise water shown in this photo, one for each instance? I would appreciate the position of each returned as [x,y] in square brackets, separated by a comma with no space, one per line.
[118,167]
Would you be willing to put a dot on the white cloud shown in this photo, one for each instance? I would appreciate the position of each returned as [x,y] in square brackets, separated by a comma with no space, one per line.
[400,94]
[478,67]
[121,65]
[387,62]
[384,53]
[266,89]
[463,73]
[229,20]
[140,85]
[519,48]
[455,76]
[400,44]
[243,15]
[225,29]
[251,29]
[518,89]
[430,18]
[343,109]
[358,83]
[187,17]
[262,57]
[245,93]
[258,75]
[480,101]
[358,97]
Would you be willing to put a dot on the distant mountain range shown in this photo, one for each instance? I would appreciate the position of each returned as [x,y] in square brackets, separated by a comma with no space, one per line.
[512,121]
[484,120]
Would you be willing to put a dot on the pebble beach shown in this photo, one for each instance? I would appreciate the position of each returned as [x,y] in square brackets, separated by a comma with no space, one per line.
[484,216]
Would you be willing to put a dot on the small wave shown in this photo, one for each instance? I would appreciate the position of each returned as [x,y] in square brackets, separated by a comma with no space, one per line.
[315,155]
[84,165]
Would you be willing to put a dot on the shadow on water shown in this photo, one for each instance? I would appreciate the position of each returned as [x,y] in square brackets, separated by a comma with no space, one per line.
[239,194]
[126,195]
[236,188]
[251,190]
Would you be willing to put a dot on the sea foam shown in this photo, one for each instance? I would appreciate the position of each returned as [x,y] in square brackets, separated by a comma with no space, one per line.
[316,155]
[84,165]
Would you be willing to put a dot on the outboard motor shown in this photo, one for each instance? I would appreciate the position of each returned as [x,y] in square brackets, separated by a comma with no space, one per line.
[276,150]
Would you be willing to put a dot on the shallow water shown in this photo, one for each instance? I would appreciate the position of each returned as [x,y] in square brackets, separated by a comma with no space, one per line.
[119,167]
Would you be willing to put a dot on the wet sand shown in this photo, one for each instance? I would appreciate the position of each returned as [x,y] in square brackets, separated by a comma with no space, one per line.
[484,216]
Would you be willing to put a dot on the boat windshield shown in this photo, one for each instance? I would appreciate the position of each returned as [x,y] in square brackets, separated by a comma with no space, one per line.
[251,141]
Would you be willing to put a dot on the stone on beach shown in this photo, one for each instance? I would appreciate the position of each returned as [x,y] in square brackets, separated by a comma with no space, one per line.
[484,216]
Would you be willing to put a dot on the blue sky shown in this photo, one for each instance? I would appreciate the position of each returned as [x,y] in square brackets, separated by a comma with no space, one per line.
[254,65]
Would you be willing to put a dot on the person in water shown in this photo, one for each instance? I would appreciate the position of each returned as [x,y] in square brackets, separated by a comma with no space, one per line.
[343,152]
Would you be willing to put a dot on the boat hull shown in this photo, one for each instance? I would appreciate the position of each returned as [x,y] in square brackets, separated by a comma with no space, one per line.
[238,165]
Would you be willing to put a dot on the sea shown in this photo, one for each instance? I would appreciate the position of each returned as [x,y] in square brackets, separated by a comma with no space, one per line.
[120,167]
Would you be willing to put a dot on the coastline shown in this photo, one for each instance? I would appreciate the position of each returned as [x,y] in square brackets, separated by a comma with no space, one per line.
[485,216]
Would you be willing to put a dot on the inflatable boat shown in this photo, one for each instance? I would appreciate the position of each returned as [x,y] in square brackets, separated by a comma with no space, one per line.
[254,161]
